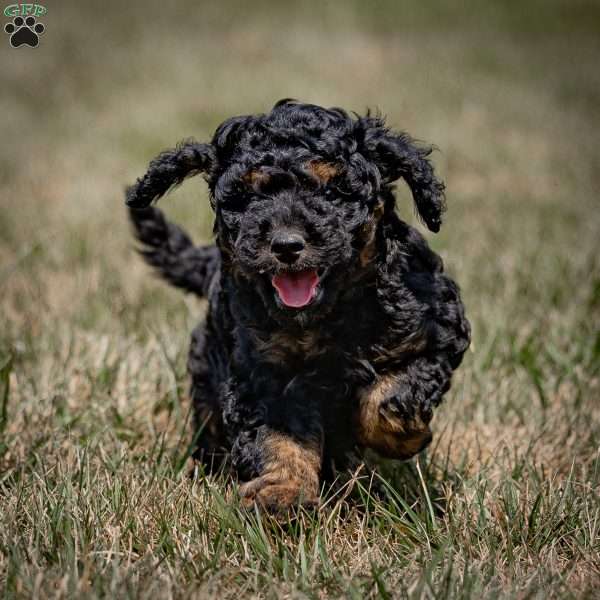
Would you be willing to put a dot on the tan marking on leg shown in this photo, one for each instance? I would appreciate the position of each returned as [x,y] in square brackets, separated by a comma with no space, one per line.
[290,476]
[388,434]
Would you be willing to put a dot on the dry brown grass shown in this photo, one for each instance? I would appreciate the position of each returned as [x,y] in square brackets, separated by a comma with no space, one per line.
[94,494]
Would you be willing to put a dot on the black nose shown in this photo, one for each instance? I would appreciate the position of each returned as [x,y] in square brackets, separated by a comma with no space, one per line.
[287,246]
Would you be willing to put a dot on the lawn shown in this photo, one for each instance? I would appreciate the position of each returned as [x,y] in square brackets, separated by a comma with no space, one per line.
[96,498]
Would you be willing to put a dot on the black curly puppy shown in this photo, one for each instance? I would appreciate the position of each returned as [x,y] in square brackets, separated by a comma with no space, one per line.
[331,325]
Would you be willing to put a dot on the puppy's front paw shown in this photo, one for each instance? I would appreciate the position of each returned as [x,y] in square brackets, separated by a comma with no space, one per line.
[393,421]
[276,495]
[403,412]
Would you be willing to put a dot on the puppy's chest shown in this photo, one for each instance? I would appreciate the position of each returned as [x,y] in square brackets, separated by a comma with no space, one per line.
[319,348]
[282,347]
[364,334]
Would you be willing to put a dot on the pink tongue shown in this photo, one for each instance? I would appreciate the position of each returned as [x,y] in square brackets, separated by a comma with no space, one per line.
[296,289]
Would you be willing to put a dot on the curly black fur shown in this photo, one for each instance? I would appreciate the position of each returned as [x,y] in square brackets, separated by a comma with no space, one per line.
[370,355]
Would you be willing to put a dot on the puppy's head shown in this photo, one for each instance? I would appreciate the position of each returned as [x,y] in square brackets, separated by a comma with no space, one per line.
[299,194]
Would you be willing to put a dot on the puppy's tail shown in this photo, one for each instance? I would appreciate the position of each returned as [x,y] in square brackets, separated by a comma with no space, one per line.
[172,253]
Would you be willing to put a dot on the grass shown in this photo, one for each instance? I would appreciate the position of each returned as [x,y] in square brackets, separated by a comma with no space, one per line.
[95,494]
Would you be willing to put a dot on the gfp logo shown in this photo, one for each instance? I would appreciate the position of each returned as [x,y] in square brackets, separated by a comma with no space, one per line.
[25,29]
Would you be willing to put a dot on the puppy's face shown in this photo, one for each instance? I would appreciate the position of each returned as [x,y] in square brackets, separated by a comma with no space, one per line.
[292,223]
[298,194]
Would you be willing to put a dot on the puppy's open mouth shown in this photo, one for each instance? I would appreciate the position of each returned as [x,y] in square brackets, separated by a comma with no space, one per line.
[296,289]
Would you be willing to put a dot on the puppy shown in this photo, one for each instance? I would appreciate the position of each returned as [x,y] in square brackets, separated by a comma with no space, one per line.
[331,326]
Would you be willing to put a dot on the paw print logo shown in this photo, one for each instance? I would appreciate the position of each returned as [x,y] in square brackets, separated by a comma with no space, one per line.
[24,32]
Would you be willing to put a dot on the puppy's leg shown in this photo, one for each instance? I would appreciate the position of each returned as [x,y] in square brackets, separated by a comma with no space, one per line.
[282,453]
[211,444]
[394,413]
[290,472]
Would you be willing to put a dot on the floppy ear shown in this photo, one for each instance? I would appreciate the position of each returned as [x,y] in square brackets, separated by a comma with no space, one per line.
[398,156]
[168,170]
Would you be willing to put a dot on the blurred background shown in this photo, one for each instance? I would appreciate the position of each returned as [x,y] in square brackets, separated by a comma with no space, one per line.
[509,91]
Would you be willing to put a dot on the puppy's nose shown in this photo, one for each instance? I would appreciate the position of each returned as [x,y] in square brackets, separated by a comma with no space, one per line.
[287,246]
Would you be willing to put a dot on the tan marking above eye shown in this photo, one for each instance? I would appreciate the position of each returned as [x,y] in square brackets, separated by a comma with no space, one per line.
[323,171]
[256,177]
